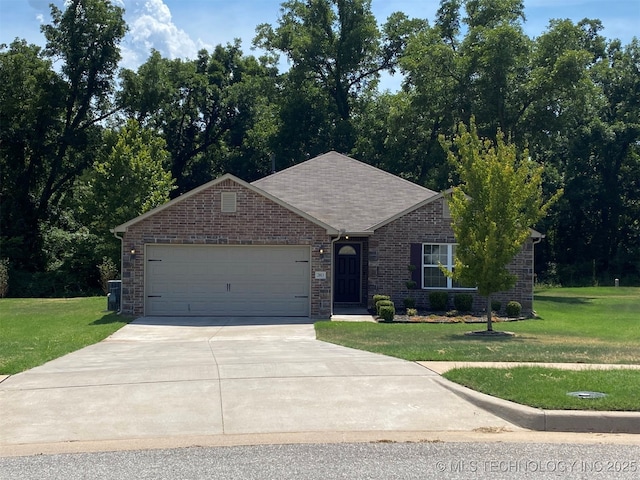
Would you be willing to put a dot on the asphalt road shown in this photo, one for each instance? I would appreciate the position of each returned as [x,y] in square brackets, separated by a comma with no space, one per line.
[327,461]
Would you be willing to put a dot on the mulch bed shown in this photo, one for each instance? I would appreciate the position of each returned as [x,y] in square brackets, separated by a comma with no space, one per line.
[441,318]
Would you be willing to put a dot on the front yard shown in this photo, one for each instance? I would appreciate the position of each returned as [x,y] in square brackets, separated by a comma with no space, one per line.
[583,325]
[574,325]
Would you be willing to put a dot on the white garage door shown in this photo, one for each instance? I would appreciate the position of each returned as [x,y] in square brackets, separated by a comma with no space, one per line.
[227,280]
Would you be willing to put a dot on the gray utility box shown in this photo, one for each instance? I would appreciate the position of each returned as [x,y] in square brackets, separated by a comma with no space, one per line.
[113,297]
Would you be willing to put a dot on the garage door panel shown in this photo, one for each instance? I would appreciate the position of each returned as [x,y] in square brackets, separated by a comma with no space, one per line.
[227,280]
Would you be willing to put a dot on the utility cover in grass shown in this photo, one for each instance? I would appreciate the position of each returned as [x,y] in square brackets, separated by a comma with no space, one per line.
[587,395]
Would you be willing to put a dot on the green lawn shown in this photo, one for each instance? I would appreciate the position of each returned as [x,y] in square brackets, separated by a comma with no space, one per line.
[588,325]
[34,331]
[547,388]
[575,325]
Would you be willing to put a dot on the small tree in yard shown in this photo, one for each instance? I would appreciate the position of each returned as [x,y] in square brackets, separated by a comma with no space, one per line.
[499,198]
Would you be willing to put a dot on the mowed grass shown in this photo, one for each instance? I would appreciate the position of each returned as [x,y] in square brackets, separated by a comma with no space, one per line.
[34,331]
[548,388]
[574,325]
[582,325]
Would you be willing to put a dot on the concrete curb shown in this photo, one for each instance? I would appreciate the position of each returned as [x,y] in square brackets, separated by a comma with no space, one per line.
[577,421]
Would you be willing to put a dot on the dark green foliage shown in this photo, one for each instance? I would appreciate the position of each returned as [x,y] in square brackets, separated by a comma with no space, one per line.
[513,309]
[227,112]
[496,305]
[52,122]
[438,301]
[4,277]
[410,284]
[463,302]
[409,302]
[387,313]
[51,284]
[337,52]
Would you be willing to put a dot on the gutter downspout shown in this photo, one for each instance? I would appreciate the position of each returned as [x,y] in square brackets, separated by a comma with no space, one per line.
[115,234]
[333,242]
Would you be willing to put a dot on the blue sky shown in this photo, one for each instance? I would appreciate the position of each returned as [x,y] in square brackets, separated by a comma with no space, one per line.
[179,28]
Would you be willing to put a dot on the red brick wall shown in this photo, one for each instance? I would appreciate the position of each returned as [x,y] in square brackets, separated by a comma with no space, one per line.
[389,257]
[197,219]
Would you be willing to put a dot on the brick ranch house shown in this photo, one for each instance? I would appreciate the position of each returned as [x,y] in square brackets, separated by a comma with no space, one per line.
[331,231]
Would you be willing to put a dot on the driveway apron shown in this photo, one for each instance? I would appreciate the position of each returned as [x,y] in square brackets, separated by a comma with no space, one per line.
[160,377]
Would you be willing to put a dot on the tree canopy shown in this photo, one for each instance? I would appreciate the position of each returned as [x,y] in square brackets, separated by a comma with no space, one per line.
[72,122]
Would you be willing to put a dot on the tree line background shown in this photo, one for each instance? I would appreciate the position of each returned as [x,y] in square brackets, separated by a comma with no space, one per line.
[85,146]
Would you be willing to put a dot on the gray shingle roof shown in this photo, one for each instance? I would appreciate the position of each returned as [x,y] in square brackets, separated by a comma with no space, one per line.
[343,192]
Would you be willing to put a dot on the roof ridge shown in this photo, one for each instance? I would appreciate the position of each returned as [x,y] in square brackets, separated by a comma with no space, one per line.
[368,165]
[295,165]
[395,177]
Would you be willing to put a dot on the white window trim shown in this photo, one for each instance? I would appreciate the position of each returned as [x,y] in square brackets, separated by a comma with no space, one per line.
[449,266]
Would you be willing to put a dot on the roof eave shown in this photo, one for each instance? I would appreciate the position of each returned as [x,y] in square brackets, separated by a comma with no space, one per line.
[355,233]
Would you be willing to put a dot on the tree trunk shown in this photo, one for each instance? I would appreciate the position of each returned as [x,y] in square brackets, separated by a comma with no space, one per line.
[489,315]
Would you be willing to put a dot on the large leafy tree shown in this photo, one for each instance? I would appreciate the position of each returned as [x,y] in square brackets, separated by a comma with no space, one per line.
[52,120]
[590,147]
[213,112]
[129,177]
[497,202]
[569,96]
[452,73]
[337,53]
[31,101]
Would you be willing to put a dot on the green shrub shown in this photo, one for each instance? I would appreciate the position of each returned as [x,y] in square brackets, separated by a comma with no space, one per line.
[496,305]
[463,302]
[409,302]
[378,297]
[4,277]
[438,301]
[412,312]
[383,303]
[52,284]
[513,309]
[410,284]
[387,312]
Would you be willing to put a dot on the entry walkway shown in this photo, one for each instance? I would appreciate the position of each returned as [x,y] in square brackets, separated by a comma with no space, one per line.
[164,377]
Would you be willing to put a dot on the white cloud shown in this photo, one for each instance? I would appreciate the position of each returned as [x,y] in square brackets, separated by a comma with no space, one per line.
[151,26]
[43,5]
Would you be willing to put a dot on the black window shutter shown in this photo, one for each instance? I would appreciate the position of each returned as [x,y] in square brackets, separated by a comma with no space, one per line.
[416,260]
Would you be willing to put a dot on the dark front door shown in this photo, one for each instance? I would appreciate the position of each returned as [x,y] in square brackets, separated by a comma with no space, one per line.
[347,274]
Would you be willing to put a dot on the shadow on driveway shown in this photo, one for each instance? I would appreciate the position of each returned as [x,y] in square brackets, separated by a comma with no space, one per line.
[222,321]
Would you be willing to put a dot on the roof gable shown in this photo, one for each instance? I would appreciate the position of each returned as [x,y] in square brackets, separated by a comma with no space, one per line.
[123,228]
[343,192]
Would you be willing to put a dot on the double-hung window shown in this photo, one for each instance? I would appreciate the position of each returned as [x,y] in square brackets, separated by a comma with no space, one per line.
[427,257]
[434,255]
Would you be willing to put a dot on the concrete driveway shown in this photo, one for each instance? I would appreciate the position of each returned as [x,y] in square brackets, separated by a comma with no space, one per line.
[162,377]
